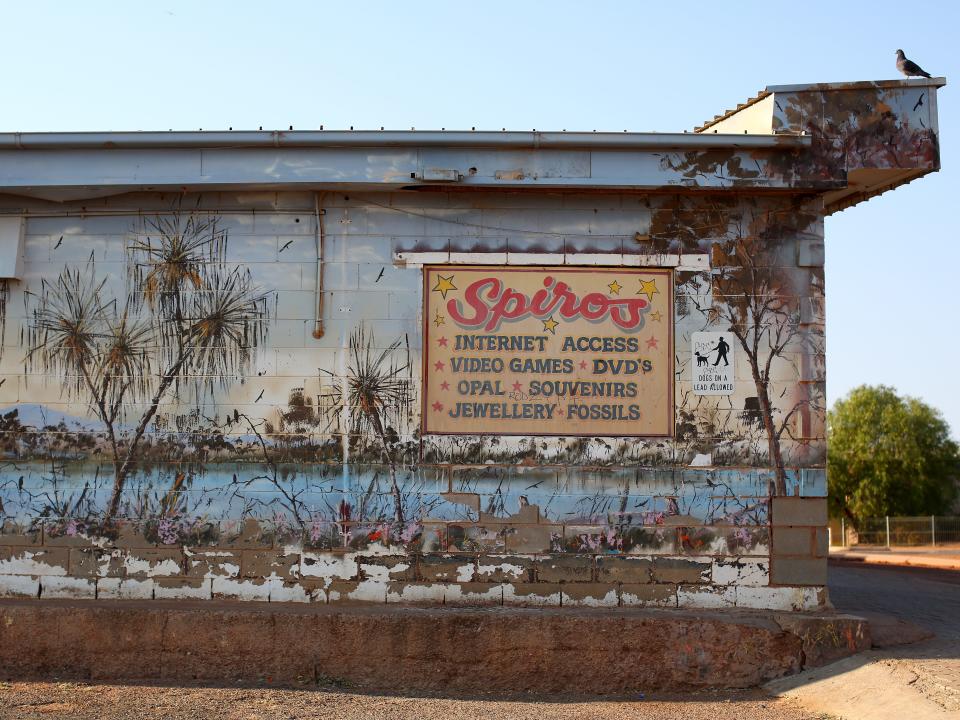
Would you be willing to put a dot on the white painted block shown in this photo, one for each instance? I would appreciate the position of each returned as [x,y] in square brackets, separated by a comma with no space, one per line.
[30,562]
[328,566]
[454,595]
[417,593]
[511,597]
[691,596]
[183,592]
[19,586]
[124,589]
[231,589]
[281,591]
[778,598]
[608,600]
[751,573]
[68,587]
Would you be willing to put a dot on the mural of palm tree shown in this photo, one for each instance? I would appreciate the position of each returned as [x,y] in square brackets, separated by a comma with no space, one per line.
[186,315]
[376,394]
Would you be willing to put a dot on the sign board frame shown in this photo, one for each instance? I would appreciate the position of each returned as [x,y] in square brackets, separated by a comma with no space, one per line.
[430,273]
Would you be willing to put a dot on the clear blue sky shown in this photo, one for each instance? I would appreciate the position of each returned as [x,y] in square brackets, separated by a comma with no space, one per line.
[893,263]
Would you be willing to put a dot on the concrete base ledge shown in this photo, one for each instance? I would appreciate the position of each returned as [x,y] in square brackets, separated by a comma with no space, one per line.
[590,651]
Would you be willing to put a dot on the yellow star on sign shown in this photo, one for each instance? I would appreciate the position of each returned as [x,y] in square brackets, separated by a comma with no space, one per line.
[550,325]
[444,285]
[439,319]
[648,288]
[615,288]
[656,316]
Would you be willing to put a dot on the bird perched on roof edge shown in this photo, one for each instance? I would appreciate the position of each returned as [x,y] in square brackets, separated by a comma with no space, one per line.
[909,67]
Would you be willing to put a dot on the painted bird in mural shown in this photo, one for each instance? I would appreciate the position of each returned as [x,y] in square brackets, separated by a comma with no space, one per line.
[909,67]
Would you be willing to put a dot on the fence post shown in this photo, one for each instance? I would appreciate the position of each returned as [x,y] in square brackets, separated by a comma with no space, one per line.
[843,533]
[933,530]
[888,530]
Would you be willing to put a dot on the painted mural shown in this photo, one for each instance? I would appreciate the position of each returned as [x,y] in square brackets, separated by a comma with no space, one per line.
[169,389]
[171,426]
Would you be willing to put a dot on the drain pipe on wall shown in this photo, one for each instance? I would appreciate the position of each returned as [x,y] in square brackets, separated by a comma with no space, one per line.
[319,213]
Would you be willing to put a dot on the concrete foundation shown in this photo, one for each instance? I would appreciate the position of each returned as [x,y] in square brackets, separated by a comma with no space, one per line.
[595,651]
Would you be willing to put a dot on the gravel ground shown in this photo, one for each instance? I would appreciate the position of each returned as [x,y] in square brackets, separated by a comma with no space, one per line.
[88,700]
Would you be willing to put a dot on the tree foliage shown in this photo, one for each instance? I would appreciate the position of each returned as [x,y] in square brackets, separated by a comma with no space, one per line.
[889,455]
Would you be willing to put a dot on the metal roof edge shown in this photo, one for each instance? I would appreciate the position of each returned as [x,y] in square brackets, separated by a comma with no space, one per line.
[239,139]
[858,85]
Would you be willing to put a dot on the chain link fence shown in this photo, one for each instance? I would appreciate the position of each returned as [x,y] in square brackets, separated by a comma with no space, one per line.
[929,531]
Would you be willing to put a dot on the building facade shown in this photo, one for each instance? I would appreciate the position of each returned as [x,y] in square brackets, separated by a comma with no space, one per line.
[433,367]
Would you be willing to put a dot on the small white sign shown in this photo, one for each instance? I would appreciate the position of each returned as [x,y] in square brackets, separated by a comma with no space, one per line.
[713,363]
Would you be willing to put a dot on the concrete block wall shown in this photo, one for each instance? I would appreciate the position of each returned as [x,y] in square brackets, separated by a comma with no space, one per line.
[308,514]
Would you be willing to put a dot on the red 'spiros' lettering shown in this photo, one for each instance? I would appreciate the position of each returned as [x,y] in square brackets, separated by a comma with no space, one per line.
[489,303]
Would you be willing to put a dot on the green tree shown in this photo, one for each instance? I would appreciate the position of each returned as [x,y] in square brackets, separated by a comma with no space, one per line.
[889,455]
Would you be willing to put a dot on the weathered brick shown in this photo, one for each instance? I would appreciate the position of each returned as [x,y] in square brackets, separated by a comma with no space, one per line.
[326,566]
[646,594]
[223,588]
[780,598]
[531,538]
[52,539]
[387,568]
[596,594]
[446,568]
[473,594]
[675,570]
[352,591]
[702,596]
[532,594]
[290,591]
[415,593]
[210,562]
[316,588]
[565,568]
[269,563]
[182,588]
[54,586]
[798,511]
[113,588]
[798,571]
[793,541]
[741,571]
[469,536]
[34,560]
[152,562]
[624,569]
[505,568]
[19,586]
[94,562]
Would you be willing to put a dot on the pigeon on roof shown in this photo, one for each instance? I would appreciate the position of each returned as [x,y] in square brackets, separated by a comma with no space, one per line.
[909,67]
